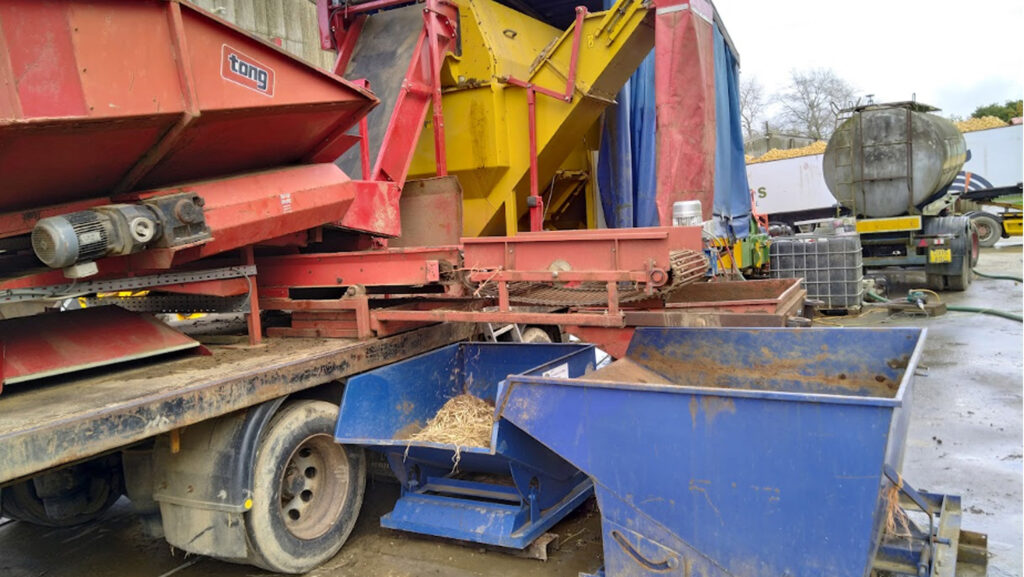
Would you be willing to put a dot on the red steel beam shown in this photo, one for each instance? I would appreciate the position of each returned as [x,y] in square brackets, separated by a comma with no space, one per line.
[244,210]
[640,249]
[536,201]
[418,91]
[437,316]
[555,276]
[389,267]
[434,36]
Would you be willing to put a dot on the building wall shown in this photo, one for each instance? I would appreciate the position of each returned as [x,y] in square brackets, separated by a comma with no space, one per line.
[293,21]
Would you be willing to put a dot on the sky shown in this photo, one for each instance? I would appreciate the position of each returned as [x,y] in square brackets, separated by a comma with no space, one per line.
[955,55]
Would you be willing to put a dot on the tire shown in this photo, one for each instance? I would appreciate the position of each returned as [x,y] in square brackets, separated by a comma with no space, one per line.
[536,335]
[307,490]
[89,490]
[961,281]
[936,282]
[989,226]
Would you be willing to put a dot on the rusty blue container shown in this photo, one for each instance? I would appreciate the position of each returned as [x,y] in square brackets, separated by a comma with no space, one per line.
[720,452]
[506,494]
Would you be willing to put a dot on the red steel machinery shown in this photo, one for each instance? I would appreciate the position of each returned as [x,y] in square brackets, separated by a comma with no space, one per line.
[159,158]
[204,141]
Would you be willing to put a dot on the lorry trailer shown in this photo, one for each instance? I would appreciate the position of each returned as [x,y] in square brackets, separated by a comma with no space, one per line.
[895,168]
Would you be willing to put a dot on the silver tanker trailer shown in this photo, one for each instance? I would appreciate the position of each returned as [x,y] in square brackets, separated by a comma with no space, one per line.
[891,165]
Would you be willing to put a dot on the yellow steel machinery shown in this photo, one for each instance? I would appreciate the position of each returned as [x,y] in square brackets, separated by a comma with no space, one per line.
[519,84]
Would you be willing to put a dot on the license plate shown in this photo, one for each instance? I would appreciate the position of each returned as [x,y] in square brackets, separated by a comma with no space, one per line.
[937,255]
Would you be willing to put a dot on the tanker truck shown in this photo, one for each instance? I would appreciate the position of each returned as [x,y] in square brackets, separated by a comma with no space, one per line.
[891,166]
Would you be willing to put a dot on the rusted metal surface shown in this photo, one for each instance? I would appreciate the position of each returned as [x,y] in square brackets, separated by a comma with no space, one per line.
[671,318]
[73,419]
[615,340]
[582,250]
[628,371]
[433,210]
[712,365]
[421,89]
[53,344]
[609,319]
[390,267]
[779,296]
[91,117]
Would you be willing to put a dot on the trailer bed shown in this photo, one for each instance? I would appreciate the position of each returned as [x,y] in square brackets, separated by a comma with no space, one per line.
[63,420]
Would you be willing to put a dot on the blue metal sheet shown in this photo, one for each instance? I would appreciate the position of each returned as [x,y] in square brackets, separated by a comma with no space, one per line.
[381,409]
[764,457]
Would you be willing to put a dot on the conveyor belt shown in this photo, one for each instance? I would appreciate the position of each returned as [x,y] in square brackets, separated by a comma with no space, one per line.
[381,55]
[688,267]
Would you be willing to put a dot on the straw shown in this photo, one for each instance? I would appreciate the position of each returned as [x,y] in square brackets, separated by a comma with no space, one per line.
[463,421]
[896,521]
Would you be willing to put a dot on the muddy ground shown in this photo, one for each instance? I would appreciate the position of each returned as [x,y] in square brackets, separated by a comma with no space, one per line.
[965,438]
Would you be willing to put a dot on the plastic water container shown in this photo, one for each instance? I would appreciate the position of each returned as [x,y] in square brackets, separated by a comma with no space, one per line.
[831,266]
[687,213]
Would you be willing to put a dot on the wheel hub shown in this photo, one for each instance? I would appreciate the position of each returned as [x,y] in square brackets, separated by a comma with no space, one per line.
[313,487]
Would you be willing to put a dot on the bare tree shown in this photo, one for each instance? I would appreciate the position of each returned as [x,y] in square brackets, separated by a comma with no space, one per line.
[752,104]
[807,102]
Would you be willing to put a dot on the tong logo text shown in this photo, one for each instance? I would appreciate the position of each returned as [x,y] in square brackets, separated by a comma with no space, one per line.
[246,71]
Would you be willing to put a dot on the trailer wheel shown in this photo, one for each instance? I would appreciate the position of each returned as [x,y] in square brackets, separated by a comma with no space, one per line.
[989,226]
[961,281]
[307,490]
[71,496]
[537,335]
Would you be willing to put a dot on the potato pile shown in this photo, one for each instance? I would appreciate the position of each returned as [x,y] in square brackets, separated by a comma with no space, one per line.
[778,154]
[983,123]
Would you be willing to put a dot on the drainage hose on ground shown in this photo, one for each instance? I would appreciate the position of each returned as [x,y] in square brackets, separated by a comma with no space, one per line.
[998,276]
[994,312]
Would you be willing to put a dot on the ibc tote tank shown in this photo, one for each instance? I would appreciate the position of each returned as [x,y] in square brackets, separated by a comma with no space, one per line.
[892,159]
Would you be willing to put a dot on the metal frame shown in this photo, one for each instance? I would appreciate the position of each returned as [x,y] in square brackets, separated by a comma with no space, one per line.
[340,28]
[536,202]
[86,415]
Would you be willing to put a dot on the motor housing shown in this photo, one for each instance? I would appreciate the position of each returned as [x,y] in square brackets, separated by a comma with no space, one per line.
[119,229]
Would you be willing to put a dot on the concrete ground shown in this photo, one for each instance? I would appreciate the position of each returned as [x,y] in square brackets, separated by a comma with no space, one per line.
[966,431]
[965,438]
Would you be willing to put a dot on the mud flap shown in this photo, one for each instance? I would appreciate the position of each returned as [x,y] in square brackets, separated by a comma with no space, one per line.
[947,259]
[204,482]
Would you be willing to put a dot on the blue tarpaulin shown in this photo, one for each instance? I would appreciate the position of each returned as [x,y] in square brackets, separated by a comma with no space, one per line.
[626,165]
[732,192]
[627,177]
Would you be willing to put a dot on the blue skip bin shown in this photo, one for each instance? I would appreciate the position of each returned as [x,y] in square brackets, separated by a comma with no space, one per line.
[506,494]
[724,452]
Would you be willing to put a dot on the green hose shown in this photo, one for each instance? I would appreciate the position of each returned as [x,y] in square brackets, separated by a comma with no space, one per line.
[876,297]
[994,312]
[998,277]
